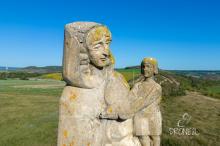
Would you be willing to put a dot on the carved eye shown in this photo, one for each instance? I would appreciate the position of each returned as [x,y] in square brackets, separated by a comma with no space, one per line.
[97,46]
[147,66]
[108,42]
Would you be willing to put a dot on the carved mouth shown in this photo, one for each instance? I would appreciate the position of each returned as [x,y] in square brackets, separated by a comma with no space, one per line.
[146,73]
[103,59]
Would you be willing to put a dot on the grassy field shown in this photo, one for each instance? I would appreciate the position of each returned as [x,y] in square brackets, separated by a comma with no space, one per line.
[205,117]
[29,112]
[54,76]
[213,91]
[29,115]
[129,74]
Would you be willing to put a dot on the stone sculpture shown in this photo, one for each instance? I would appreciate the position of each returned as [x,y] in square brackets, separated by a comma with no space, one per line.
[96,106]
[147,119]
[92,87]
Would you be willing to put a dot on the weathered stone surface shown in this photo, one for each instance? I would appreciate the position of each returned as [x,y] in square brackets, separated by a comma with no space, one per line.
[78,117]
[141,125]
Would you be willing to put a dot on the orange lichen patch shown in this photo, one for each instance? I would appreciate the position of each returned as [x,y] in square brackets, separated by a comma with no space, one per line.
[72,96]
[65,133]
[65,105]
[109,109]
[72,143]
[64,144]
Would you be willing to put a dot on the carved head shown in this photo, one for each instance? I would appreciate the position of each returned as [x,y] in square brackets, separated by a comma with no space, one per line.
[97,41]
[86,44]
[149,67]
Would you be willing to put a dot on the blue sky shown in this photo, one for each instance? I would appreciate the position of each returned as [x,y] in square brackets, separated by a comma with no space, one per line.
[181,34]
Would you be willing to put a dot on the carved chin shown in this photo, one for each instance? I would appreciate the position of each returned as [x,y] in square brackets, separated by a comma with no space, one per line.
[147,75]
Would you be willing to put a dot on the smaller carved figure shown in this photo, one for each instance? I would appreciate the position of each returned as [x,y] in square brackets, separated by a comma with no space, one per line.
[146,94]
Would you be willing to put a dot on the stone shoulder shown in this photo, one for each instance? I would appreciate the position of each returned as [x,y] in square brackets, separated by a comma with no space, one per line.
[157,86]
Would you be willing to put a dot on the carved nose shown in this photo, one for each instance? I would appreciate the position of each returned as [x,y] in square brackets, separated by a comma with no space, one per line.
[106,52]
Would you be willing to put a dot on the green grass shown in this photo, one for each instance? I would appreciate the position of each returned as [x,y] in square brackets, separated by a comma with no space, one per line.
[54,76]
[213,91]
[129,74]
[29,115]
[205,117]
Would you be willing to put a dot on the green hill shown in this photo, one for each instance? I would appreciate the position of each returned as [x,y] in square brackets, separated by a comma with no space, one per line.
[46,69]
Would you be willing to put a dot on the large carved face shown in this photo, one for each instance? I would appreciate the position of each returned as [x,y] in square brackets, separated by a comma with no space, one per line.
[98,41]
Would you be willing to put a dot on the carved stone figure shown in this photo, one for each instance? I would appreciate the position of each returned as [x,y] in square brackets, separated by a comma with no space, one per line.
[93,88]
[82,99]
[147,119]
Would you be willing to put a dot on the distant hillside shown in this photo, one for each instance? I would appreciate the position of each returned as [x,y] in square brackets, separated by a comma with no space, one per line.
[202,74]
[175,83]
[34,69]
[2,68]
[133,67]
[46,69]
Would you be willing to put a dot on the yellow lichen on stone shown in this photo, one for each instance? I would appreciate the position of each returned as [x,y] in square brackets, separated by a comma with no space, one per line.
[150,60]
[112,58]
[98,34]
[125,82]
[118,75]
[65,133]
[72,96]
[109,109]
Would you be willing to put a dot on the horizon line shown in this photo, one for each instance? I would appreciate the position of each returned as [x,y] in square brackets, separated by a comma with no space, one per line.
[116,68]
